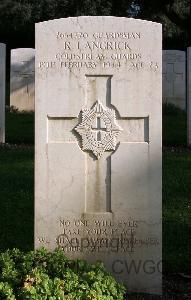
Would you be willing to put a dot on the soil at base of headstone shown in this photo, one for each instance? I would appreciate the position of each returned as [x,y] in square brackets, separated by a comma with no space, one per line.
[175,287]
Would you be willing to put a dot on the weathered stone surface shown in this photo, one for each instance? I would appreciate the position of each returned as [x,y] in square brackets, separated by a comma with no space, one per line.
[22,86]
[100,199]
[174,77]
[2,91]
[189,96]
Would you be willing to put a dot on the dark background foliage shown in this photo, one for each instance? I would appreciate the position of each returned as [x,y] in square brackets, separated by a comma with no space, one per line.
[17,17]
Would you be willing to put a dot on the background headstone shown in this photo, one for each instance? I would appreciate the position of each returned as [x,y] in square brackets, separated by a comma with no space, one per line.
[98,144]
[189,96]
[2,91]
[22,86]
[174,77]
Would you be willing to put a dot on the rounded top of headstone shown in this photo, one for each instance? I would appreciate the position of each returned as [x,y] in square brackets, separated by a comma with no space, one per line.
[27,50]
[75,20]
[174,55]
[20,54]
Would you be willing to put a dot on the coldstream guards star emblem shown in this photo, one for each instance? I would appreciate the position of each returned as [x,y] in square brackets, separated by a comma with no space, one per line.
[98,129]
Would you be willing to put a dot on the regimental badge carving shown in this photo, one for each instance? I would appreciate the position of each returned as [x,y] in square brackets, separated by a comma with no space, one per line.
[98,129]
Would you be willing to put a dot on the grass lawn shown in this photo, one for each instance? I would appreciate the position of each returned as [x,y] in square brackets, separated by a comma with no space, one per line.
[176,193]
[17,192]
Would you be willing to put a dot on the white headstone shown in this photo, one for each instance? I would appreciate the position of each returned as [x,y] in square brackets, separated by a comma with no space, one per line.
[2,91]
[189,96]
[174,77]
[98,144]
[22,86]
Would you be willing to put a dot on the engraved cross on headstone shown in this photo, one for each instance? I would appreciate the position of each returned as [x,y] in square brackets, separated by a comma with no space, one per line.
[98,171]
[25,74]
[172,77]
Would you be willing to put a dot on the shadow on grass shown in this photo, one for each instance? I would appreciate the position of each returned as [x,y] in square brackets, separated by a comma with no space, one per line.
[176,246]
[16,198]
[19,128]
[174,126]
[177,211]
